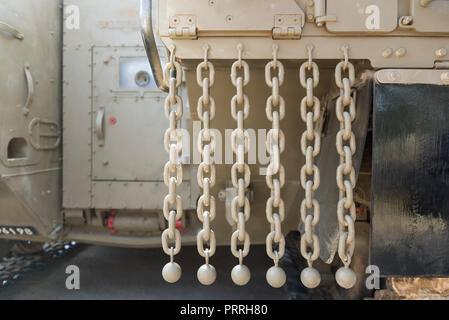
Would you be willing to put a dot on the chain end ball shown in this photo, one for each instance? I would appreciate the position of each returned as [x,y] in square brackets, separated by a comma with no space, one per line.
[310,278]
[276,277]
[345,277]
[240,275]
[207,274]
[171,272]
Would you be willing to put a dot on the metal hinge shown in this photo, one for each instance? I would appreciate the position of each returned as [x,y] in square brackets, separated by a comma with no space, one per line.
[288,26]
[183,27]
[316,12]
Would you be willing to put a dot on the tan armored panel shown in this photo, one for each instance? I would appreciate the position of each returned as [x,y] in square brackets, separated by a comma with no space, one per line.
[388,33]
[30,132]
[377,34]
[113,124]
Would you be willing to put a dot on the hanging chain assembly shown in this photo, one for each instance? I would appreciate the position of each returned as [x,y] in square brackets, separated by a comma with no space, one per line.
[173,173]
[275,176]
[346,179]
[240,172]
[310,173]
[206,209]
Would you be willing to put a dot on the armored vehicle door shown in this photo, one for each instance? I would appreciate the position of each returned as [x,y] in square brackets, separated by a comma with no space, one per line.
[113,125]
[29,119]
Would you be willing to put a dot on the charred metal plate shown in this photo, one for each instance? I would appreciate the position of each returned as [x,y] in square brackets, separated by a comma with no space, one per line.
[410,184]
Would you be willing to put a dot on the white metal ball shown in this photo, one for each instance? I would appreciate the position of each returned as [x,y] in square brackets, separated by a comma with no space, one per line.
[310,277]
[240,275]
[171,272]
[206,274]
[345,278]
[276,277]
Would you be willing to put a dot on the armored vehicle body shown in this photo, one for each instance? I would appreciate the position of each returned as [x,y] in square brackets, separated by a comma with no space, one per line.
[319,128]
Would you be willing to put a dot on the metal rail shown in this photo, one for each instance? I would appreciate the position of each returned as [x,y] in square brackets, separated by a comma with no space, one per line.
[146,28]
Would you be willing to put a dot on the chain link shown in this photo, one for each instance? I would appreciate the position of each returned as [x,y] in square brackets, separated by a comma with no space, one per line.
[206,209]
[310,147]
[240,172]
[346,148]
[275,176]
[173,173]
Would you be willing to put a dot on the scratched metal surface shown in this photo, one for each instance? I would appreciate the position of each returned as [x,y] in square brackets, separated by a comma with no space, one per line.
[410,216]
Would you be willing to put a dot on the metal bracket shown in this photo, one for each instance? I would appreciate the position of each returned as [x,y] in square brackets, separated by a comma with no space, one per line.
[288,26]
[53,133]
[183,27]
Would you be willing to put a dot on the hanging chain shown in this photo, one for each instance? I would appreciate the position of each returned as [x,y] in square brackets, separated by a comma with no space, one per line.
[206,209]
[310,173]
[346,180]
[240,173]
[173,173]
[275,176]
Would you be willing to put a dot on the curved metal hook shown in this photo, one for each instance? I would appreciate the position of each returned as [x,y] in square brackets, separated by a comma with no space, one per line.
[146,28]
[7,28]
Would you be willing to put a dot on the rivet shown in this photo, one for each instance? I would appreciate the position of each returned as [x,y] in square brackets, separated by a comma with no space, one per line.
[387,53]
[400,52]
[393,76]
[445,77]
[440,53]
[407,20]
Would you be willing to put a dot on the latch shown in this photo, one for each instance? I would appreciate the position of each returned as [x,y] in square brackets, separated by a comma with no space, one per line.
[288,26]
[183,27]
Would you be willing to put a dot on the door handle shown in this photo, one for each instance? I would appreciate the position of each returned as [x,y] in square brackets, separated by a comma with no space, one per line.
[30,85]
[99,125]
[11,30]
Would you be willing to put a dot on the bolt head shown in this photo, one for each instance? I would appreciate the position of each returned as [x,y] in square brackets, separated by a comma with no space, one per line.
[388,52]
[393,76]
[400,52]
[445,77]
[440,53]
[407,20]
[240,275]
